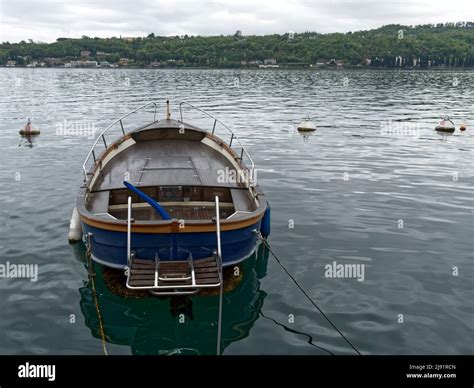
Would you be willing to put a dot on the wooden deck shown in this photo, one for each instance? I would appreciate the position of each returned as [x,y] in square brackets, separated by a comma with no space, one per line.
[165,162]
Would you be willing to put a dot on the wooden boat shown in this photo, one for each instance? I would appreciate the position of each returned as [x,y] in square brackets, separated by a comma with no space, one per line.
[170,203]
[29,129]
[445,125]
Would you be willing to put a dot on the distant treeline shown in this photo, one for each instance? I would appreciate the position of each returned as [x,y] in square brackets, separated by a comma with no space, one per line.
[443,44]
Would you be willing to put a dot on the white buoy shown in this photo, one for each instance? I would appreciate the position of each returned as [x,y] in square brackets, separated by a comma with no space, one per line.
[446,125]
[29,129]
[306,125]
[75,228]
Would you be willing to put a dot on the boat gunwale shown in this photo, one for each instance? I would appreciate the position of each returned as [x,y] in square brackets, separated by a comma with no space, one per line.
[189,226]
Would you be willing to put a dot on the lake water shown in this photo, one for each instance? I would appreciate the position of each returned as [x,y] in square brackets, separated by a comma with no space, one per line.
[374,185]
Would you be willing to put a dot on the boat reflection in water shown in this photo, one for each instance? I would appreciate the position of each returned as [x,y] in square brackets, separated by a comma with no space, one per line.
[174,325]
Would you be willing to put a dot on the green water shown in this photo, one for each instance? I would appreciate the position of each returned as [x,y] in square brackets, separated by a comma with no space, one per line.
[337,195]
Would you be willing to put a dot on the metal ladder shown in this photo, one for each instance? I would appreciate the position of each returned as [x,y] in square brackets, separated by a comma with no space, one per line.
[183,277]
[177,277]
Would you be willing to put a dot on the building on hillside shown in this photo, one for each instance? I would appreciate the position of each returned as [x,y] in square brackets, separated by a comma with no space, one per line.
[270,61]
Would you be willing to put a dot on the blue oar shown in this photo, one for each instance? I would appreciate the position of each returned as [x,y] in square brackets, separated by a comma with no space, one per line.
[155,205]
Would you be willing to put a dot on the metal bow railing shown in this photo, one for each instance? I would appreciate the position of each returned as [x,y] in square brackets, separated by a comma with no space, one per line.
[233,138]
[92,152]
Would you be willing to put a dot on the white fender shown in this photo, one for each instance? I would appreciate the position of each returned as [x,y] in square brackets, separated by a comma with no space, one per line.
[75,228]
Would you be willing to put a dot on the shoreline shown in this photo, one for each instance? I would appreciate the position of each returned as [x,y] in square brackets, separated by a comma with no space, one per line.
[247,68]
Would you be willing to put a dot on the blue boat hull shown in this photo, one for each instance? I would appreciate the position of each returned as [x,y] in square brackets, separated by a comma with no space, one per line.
[110,247]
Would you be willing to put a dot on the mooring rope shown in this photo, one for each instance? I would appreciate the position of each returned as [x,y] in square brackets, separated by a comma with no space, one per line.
[96,301]
[310,338]
[306,294]
[101,325]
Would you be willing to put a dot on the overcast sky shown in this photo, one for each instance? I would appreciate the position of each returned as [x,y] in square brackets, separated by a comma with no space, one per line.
[46,20]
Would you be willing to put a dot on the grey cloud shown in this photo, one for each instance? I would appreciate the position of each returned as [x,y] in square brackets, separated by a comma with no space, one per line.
[47,20]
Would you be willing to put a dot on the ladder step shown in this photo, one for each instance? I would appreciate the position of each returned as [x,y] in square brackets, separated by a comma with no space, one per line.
[139,283]
[200,262]
[141,261]
[203,273]
[139,271]
[205,270]
[208,276]
[173,270]
[177,283]
[209,281]
[142,266]
[143,276]
[173,277]
[174,264]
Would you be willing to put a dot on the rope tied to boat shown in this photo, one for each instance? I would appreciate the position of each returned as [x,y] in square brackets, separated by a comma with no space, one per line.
[94,294]
[265,242]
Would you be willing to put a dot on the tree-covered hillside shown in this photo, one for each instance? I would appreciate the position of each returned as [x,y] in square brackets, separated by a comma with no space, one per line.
[449,44]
